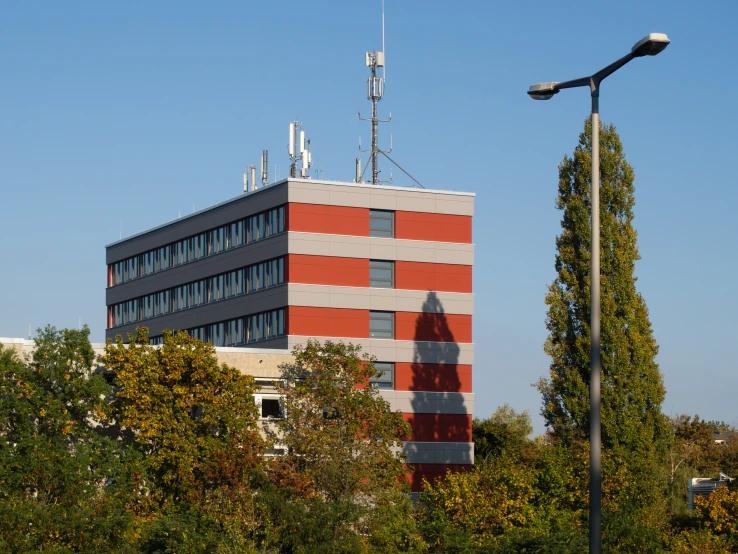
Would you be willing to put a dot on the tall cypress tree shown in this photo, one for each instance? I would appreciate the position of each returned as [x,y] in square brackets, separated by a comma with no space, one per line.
[632,385]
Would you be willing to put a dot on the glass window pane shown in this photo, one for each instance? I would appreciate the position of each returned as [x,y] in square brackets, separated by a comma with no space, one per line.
[381,325]
[381,223]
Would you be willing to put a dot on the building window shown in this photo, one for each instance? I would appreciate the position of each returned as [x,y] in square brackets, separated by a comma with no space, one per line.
[208,243]
[381,274]
[382,325]
[386,378]
[242,330]
[211,289]
[270,408]
[381,223]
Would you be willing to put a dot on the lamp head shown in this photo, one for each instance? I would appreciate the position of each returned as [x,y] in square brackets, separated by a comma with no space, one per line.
[543,91]
[650,45]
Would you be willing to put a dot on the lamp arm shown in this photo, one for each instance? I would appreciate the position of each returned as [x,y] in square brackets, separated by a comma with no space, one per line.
[598,77]
[583,82]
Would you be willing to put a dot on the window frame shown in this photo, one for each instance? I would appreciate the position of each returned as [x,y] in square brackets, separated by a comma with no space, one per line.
[378,231]
[381,316]
[385,368]
[391,280]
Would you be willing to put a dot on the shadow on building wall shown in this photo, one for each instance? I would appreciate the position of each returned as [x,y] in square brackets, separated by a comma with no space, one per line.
[440,417]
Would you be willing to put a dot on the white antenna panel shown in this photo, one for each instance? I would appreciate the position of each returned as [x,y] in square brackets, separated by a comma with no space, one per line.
[368,59]
[292,140]
[380,59]
[302,141]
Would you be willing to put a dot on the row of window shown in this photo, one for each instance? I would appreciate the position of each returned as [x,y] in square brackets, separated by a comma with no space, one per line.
[232,235]
[239,331]
[211,289]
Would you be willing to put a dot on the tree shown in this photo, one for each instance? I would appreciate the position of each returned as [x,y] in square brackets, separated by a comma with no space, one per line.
[504,432]
[718,513]
[62,484]
[194,421]
[342,439]
[632,385]
[635,433]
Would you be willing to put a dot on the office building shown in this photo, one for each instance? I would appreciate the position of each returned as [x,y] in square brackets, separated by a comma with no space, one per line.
[389,268]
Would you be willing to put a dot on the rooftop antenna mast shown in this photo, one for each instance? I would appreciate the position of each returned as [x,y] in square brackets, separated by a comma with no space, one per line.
[374,92]
[299,151]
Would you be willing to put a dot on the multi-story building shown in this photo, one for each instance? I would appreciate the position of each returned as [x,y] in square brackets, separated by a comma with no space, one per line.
[389,268]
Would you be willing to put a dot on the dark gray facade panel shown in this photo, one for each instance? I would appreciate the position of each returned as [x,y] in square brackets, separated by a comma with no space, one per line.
[223,310]
[280,343]
[255,202]
[229,260]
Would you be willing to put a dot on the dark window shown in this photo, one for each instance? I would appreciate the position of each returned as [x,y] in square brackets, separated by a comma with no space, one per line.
[382,325]
[381,274]
[270,408]
[386,378]
[381,223]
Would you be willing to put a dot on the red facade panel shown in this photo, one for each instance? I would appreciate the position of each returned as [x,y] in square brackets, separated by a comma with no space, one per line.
[433,227]
[327,322]
[433,327]
[333,220]
[429,276]
[431,472]
[327,270]
[341,322]
[433,377]
[440,427]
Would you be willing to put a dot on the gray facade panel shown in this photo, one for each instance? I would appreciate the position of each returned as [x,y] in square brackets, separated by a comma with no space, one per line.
[231,308]
[206,267]
[250,204]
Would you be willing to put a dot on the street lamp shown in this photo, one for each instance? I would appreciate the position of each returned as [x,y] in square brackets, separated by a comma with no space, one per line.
[648,46]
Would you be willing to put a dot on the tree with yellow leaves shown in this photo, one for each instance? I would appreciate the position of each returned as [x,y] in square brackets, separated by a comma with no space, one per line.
[185,413]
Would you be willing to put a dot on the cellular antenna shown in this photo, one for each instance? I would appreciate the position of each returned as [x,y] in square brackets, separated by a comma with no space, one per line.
[265,168]
[384,68]
[299,151]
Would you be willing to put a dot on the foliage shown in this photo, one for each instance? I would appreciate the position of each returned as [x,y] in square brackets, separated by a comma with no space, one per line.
[186,414]
[339,431]
[486,502]
[632,386]
[635,434]
[186,472]
[62,483]
[343,441]
[505,432]
[718,513]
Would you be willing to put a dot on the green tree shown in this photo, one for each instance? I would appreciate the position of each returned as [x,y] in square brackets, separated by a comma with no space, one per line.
[504,432]
[62,484]
[194,421]
[342,439]
[632,385]
[635,433]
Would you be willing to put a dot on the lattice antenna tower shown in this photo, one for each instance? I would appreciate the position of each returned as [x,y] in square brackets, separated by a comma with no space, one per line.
[374,93]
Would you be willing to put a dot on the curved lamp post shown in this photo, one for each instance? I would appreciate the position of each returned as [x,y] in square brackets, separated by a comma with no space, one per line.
[648,46]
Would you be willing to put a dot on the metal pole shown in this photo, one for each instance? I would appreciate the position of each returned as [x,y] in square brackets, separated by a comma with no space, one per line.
[595,438]
[375,125]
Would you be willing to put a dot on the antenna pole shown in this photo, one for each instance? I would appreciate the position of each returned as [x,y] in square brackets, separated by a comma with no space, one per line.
[375,129]
[384,69]
[265,167]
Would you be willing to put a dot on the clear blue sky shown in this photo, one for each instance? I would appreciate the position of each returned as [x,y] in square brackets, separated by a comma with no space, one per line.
[122,115]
